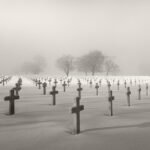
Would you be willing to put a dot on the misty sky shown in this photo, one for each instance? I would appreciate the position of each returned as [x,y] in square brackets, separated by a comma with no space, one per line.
[119,28]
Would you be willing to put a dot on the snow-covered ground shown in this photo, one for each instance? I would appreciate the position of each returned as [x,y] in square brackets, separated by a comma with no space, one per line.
[37,125]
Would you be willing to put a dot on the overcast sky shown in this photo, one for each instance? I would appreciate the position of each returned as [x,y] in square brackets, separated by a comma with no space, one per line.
[118,28]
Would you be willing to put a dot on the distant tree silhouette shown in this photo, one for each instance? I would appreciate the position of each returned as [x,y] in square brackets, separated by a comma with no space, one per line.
[110,66]
[82,64]
[91,62]
[65,63]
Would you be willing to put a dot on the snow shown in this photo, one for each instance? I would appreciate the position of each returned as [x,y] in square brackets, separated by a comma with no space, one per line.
[39,125]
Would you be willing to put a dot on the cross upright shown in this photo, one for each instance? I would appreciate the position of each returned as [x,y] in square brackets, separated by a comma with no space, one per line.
[17,89]
[60,81]
[53,93]
[64,85]
[39,83]
[91,83]
[128,95]
[118,84]
[3,81]
[36,82]
[76,110]
[11,100]
[109,85]
[20,81]
[100,82]
[55,82]
[49,81]
[130,82]
[68,81]
[146,89]
[110,99]
[125,84]
[97,87]
[113,81]
[79,89]
[139,92]
[135,81]
[44,88]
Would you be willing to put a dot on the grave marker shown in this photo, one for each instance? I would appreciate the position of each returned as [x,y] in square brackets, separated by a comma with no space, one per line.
[55,83]
[39,83]
[76,110]
[110,99]
[118,84]
[146,89]
[17,89]
[139,92]
[44,88]
[128,95]
[53,93]
[125,84]
[64,86]
[97,87]
[79,89]
[11,100]
[91,83]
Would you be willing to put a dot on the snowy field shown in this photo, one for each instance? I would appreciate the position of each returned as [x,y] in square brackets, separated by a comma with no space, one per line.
[38,125]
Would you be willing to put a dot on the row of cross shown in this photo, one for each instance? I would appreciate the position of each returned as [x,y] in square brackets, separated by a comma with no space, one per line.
[77,108]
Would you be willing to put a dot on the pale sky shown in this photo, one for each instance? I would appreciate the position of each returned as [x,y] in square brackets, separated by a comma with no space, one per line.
[118,28]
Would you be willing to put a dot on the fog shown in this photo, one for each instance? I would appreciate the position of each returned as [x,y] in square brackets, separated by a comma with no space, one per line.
[52,28]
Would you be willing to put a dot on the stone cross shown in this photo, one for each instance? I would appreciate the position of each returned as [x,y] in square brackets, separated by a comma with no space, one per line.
[79,89]
[118,84]
[113,81]
[36,82]
[139,92]
[128,95]
[44,88]
[53,93]
[64,85]
[49,81]
[11,100]
[100,82]
[20,81]
[146,89]
[55,82]
[68,81]
[17,89]
[110,99]
[91,83]
[76,110]
[135,82]
[3,81]
[131,82]
[97,87]
[60,81]
[125,84]
[39,83]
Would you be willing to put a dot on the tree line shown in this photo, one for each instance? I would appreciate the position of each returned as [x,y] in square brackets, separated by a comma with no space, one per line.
[92,62]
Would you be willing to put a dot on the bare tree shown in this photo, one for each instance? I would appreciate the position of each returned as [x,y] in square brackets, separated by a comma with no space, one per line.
[95,60]
[82,64]
[65,63]
[110,66]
